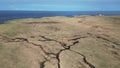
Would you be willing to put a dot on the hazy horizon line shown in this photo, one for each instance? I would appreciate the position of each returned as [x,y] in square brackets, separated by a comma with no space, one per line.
[61,10]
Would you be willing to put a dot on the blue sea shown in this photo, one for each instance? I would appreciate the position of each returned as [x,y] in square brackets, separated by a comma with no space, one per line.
[9,15]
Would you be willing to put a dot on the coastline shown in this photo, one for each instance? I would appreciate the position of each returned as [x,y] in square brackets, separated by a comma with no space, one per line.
[10,15]
[99,15]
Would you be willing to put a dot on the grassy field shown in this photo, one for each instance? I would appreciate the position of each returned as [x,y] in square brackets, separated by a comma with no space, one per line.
[61,42]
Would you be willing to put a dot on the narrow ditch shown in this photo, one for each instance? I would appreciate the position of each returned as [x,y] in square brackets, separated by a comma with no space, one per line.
[49,39]
[76,40]
[115,46]
[84,59]
[57,56]
[99,37]
[42,64]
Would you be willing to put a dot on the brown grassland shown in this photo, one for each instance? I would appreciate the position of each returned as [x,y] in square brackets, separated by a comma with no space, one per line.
[61,42]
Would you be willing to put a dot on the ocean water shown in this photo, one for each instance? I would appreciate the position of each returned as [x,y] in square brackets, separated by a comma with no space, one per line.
[9,15]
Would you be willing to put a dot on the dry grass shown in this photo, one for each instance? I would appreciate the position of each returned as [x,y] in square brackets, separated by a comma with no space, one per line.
[97,38]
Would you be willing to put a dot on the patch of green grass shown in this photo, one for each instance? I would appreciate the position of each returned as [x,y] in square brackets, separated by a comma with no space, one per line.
[1,46]
[10,33]
[15,29]
[114,20]
[103,62]
[117,66]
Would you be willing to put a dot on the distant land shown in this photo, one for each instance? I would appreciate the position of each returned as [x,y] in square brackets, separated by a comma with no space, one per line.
[10,15]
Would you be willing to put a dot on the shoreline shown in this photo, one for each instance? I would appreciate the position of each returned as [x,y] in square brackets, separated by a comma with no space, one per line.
[99,15]
[4,16]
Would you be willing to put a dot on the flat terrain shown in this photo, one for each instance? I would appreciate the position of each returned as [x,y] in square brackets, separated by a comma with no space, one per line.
[61,42]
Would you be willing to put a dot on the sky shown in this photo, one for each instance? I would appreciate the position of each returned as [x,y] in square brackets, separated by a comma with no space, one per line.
[61,5]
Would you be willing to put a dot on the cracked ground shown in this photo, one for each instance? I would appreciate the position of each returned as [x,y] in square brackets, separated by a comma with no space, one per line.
[61,42]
